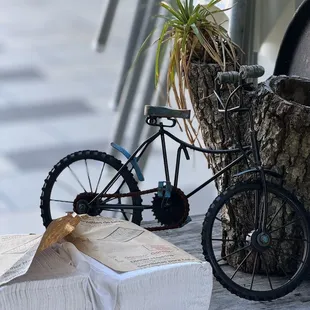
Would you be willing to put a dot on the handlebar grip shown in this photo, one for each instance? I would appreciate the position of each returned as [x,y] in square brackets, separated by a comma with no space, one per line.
[252,72]
[230,77]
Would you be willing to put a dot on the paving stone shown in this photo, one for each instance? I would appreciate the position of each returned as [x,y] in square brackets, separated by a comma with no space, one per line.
[44,109]
[20,74]
[46,158]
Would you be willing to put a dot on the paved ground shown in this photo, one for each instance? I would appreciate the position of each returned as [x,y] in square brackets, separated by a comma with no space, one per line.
[189,238]
[55,98]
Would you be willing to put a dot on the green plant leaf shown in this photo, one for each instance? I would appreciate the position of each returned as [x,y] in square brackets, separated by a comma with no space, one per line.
[194,34]
[182,9]
[143,47]
[159,46]
[170,9]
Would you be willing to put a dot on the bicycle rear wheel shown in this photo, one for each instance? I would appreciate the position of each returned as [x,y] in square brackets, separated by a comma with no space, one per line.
[252,263]
[79,177]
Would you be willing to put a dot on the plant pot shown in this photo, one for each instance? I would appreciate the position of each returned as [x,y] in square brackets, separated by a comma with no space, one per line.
[282,120]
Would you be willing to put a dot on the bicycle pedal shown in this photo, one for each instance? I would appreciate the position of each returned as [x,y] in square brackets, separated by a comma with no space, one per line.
[164,189]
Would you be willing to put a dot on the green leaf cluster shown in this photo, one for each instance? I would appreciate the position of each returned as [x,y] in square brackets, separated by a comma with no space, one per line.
[194,35]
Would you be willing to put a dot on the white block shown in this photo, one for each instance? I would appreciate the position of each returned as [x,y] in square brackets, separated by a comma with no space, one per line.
[70,280]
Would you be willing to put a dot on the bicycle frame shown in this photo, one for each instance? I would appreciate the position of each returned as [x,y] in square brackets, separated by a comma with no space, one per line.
[183,146]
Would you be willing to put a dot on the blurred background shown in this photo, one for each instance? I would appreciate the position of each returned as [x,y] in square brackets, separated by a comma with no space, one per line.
[60,90]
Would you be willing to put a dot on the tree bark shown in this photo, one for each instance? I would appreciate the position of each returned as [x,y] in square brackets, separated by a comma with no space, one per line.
[282,120]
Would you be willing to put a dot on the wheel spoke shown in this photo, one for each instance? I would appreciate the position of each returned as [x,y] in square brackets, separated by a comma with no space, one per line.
[253,272]
[99,179]
[262,210]
[65,201]
[68,188]
[235,252]
[290,223]
[223,240]
[91,189]
[266,267]
[77,179]
[290,239]
[125,215]
[278,263]
[249,205]
[243,261]
[291,256]
[219,219]
[271,221]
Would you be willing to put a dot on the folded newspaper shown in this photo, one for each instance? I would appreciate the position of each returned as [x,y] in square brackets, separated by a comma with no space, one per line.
[118,244]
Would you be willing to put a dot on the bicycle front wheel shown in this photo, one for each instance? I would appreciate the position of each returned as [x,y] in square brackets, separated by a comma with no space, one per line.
[251,260]
[77,179]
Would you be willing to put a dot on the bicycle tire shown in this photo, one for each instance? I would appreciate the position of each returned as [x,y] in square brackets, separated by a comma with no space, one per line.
[209,251]
[84,155]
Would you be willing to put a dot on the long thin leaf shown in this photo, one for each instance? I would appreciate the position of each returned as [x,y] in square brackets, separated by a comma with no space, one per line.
[143,47]
[159,46]
[172,11]
[182,9]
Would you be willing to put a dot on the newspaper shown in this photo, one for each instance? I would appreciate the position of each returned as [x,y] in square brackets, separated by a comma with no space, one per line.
[118,244]
[124,246]
[18,251]
[16,255]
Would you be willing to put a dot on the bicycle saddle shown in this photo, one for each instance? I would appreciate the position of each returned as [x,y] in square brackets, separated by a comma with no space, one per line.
[156,111]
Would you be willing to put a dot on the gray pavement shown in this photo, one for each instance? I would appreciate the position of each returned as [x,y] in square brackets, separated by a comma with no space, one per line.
[55,98]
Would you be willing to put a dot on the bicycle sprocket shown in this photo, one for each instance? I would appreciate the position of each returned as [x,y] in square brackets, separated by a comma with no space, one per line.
[173,210]
[80,204]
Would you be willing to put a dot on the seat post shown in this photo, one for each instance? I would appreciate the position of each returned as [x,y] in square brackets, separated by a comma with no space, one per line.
[164,150]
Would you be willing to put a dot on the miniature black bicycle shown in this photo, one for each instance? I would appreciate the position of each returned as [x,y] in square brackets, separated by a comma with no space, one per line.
[255,234]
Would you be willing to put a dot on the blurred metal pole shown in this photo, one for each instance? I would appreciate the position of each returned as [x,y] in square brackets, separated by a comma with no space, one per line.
[161,100]
[150,130]
[134,43]
[241,27]
[106,24]
[126,105]
[147,100]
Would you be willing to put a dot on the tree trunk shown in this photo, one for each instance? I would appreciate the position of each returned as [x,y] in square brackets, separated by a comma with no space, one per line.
[282,120]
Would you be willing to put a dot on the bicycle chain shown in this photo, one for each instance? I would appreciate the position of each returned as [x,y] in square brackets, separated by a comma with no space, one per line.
[149,191]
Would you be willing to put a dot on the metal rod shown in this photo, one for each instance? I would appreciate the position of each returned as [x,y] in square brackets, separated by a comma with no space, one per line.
[149,95]
[125,207]
[203,150]
[241,27]
[150,130]
[110,184]
[177,167]
[132,89]
[106,24]
[165,158]
[134,43]
[233,163]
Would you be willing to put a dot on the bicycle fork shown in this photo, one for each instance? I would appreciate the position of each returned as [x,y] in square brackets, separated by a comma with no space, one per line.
[260,214]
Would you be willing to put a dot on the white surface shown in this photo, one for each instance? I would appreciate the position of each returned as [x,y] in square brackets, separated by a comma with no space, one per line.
[70,280]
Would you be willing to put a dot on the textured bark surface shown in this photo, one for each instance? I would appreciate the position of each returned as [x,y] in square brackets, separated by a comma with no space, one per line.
[214,131]
[282,119]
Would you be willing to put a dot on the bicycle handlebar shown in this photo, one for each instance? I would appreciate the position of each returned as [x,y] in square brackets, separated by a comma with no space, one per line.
[245,72]
[230,77]
[251,72]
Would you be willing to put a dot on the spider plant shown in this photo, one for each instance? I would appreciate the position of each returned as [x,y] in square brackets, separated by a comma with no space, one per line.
[194,35]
